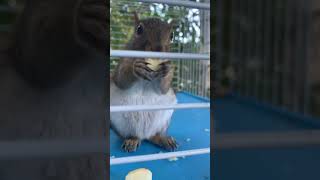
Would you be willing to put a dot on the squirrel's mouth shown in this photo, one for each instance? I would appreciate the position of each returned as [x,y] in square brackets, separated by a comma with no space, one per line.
[91,23]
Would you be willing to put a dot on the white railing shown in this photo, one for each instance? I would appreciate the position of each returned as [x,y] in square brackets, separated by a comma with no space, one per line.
[29,149]
[158,107]
[159,156]
[300,138]
[189,4]
[161,55]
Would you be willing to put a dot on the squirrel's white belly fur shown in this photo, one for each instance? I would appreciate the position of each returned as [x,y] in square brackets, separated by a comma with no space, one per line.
[141,124]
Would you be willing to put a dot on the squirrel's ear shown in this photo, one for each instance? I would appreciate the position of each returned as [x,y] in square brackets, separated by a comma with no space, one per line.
[136,18]
[173,24]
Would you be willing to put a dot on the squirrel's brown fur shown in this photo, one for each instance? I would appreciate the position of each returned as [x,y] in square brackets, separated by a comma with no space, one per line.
[133,83]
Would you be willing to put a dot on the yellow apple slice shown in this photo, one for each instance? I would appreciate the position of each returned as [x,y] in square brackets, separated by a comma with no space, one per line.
[139,174]
[154,64]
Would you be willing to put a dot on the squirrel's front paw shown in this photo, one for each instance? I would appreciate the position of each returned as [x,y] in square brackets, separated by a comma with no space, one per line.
[164,69]
[130,144]
[141,69]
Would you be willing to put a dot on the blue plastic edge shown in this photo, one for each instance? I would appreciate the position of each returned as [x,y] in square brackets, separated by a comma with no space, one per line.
[195,96]
[282,111]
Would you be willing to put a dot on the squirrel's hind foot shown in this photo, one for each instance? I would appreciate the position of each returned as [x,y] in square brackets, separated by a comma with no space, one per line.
[131,144]
[166,142]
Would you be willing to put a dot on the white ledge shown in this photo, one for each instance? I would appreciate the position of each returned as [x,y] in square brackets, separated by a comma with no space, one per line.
[159,156]
[189,4]
[161,55]
[158,107]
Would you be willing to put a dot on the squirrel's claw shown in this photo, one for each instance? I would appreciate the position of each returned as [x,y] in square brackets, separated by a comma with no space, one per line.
[169,143]
[166,142]
[164,69]
[130,145]
[141,69]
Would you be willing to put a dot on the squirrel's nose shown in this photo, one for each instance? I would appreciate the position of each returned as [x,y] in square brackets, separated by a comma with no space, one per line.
[157,48]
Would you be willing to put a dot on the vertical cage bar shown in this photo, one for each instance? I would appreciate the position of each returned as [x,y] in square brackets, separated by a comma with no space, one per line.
[241,45]
[255,15]
[286,64]
[198,81]
[219,45]
[232,39]
[281,51]
[190,76]
[181,77]
[238,43]
[259,48]
[194,85]
[193,78]
[276,52]
[299,55]
[202,79]
[248,48]
[307,45]
[267,42]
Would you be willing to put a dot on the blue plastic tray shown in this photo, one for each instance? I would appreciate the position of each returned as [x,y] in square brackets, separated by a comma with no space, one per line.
[188,123]
[237,114]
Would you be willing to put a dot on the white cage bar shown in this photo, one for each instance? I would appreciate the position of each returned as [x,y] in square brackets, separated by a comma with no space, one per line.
[161,55]
[159,156]
[10,150]
[253,140]
[38,149]
[158,107]
[189,4]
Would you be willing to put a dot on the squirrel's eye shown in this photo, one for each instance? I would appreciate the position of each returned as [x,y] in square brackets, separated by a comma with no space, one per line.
[139,30]
[171,36]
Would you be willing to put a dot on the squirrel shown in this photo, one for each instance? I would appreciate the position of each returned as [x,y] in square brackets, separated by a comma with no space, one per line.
[134,83]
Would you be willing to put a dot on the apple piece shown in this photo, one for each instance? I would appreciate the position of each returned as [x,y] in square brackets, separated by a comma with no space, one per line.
[139,174]
[153,63]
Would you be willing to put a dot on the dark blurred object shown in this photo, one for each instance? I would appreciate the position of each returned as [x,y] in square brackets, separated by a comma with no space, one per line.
[65,34]
[273,47]
[53,78]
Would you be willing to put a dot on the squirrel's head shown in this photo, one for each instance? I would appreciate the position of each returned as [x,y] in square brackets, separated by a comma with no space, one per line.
[152,34]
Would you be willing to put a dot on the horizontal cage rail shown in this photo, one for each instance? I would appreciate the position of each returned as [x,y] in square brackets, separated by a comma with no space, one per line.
[189,4]
[290,139]
[10,150]
[161,55]
[158,107]
[159,156]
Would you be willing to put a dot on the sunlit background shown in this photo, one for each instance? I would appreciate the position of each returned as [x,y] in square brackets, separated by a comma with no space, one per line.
[192,35]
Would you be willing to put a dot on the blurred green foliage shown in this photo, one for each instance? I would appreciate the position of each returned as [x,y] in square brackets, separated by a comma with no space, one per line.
[6,18]
[187,34]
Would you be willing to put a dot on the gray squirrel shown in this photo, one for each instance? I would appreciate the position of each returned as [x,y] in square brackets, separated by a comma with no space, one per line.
[134,83]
